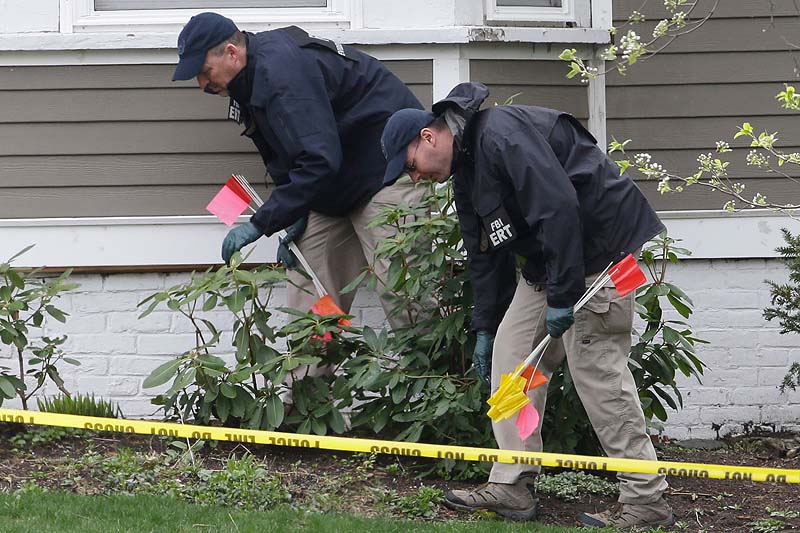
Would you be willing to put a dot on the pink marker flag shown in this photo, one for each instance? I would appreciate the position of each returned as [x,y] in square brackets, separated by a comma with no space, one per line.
[229,203]
[527,421]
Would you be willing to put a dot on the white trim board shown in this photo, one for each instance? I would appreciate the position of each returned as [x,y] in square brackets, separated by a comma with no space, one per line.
[33,42]
[182,240]
[122,241]
[166,55]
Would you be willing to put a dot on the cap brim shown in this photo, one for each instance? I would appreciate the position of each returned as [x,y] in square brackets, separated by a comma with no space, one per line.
[189,67]
[394,169]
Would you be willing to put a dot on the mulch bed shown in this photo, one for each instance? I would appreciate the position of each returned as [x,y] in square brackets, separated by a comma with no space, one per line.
[699,504]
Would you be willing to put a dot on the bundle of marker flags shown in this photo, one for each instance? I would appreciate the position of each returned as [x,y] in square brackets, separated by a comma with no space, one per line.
[512,394]
[234,199]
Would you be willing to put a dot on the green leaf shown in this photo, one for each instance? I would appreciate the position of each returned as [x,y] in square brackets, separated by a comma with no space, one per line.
[318,426]
[7,388]
[227,390]
[56,313]
[24,250]
[15,279]
[274,411]
[336,421]
[223,408]
[162,374]
[353,285]
[210,303]
[237,300]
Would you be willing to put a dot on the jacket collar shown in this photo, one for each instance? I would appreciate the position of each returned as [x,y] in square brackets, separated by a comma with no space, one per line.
[241,86]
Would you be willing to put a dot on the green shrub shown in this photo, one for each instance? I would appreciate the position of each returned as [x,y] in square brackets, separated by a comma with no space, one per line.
[571,485]
[786,302]
[412,384]
[80,404]
[25,300]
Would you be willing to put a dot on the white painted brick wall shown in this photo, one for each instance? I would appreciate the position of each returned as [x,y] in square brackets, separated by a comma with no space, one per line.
[747,356]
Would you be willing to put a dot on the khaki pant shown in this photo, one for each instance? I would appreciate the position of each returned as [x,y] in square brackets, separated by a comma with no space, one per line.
[596,348]
[338,249]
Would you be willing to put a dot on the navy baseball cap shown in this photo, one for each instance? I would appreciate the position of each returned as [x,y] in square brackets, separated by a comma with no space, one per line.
[401,128]
[202,33]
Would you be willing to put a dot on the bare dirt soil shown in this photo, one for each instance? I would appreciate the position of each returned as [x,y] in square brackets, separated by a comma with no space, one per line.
[699,504]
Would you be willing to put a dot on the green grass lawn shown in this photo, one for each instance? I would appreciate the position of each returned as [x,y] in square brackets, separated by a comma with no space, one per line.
[60,512]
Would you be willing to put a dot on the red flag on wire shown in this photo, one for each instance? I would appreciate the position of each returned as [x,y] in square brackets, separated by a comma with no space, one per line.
[533,378]
[230,202]
[626,275]
[326,306]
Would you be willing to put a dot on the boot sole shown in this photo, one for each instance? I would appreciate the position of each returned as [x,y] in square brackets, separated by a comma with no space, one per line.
[518,515]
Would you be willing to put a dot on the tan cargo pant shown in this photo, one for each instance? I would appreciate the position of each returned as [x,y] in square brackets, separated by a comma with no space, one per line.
[596,348]
[338,249]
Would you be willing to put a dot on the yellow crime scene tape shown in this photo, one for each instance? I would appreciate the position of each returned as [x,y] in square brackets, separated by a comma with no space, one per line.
[413,449]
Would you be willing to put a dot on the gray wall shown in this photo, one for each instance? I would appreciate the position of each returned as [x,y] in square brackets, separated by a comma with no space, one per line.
[123,140]
[698,90]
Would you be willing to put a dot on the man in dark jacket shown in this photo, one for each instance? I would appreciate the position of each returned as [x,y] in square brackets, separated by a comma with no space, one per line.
[315,110]
[531,182]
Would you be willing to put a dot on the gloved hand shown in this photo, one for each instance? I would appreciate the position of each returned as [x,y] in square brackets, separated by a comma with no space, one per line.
[237,238]
[559,319]
[293,232]
[482,356]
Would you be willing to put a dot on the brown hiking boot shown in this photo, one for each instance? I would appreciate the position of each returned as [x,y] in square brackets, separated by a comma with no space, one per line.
[628,516]
[512,501]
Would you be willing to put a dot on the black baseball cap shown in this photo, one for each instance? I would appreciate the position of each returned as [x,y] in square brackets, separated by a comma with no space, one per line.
[202,33]
[401,128]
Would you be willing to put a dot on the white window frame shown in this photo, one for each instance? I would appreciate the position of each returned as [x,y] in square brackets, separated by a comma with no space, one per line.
[79,16]
[576,11]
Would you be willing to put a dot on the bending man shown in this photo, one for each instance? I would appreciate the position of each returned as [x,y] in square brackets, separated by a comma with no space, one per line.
[531,181]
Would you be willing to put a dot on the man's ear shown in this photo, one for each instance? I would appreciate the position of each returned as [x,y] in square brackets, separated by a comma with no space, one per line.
[428,136]
[232,51]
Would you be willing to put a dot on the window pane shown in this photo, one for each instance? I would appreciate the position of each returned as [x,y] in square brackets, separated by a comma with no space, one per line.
[114,5]
[529,3]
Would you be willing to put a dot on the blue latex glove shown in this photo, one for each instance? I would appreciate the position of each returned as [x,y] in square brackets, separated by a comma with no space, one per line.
[559,319]
[482,356]
[293,232]
[237,238]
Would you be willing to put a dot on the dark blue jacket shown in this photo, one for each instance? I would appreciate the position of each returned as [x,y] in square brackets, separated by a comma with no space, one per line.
[531,182]
[315,110]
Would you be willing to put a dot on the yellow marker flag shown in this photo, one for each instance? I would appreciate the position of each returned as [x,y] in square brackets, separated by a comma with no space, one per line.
[509,398]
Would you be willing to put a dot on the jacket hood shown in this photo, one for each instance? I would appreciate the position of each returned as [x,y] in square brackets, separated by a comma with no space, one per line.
[465,99]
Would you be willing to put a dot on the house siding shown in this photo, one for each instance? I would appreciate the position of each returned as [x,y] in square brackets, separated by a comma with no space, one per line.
[123,140]
[677,104]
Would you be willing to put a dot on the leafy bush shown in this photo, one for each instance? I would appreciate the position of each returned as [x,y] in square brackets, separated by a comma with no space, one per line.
[786,302]
[248,392]
[411,384]
[571,485]
[412,377]
[80,404]
[663,347]
[25,300]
